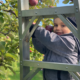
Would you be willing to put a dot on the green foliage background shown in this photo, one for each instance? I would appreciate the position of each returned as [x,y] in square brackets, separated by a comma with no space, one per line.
[9,39]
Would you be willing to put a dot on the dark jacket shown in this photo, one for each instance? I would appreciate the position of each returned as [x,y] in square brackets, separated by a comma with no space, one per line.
[57,48]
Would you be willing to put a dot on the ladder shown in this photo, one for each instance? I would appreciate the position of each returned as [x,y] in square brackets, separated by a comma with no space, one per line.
[24,14]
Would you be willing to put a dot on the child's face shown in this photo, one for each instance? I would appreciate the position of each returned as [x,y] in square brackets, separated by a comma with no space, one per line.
[60,28]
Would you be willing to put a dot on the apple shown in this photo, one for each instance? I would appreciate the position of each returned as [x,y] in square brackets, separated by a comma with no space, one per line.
[33,2]
[30,51]
[7,37]
[49,28]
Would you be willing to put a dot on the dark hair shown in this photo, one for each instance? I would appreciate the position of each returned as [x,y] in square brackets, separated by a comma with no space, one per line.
[73,21]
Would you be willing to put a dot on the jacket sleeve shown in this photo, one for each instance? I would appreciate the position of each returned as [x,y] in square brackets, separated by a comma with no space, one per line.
[39,46]
[61,45]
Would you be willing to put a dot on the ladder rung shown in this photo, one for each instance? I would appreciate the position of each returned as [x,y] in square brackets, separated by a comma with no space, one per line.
[52,65]
[48,11]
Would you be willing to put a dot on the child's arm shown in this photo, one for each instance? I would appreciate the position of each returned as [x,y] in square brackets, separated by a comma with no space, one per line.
[39,46]
[62,45]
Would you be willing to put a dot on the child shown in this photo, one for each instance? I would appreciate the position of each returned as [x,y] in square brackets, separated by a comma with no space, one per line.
[57,46]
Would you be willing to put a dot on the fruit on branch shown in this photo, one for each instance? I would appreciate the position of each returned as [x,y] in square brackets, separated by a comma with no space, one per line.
[33,2]
[49,28]
[30,51]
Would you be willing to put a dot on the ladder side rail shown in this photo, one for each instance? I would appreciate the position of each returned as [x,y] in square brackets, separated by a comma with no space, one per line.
[20,39]
[26,51]
[77,15]
[24,46]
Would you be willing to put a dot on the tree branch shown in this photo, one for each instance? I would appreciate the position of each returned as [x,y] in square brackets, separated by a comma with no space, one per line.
[12,12]
[7,32]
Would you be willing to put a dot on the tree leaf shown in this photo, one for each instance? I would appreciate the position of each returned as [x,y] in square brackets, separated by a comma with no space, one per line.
[3,43]
[1,14]
[1,19]
[65,1]
[11,55]
[11,69]
[2,46]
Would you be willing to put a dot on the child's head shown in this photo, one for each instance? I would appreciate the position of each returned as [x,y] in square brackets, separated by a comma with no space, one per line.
[60,28]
